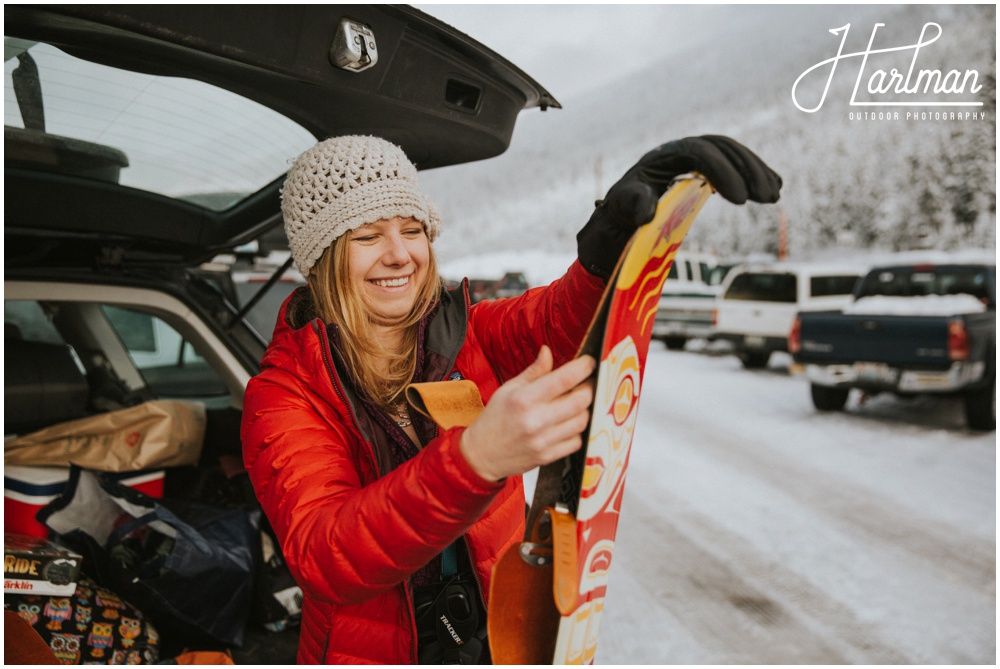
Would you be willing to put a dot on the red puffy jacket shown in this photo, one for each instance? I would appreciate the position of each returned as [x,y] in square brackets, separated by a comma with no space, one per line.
[351,533]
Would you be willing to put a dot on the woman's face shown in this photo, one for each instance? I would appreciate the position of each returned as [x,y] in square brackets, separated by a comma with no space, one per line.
[388,261]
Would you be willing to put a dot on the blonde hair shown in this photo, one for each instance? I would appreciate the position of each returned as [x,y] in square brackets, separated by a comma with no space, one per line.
[380,372]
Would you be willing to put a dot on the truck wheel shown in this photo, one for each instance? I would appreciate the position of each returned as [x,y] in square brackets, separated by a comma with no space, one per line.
[675,343]
[754,359]
[981,408]
[829,399]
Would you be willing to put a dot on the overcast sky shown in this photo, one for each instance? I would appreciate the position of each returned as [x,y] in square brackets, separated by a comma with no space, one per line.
[571,48]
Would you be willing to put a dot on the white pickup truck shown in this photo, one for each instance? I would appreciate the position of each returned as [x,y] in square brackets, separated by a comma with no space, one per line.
[688,299]
[759,302]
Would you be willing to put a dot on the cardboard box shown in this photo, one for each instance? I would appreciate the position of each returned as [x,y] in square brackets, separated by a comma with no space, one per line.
[27,489]
[33,566]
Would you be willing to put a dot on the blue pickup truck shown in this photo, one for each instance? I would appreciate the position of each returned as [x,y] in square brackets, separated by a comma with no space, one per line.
[911,329]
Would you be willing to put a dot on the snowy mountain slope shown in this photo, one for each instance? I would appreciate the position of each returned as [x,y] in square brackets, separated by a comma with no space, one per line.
[849,184]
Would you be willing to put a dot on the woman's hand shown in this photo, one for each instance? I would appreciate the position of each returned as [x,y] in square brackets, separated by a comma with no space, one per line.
[534,419]
[732,169]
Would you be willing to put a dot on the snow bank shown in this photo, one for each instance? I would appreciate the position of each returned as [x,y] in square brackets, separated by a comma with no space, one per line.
[921,305]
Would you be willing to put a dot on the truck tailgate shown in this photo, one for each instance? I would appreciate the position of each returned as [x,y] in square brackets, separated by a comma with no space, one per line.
[770,319]
[896,340]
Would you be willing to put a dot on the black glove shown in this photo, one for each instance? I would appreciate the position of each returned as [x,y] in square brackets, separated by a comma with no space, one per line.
[732,169]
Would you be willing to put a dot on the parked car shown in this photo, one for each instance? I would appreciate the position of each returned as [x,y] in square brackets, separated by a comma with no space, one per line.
[687,302]
[911,329]
[759,302]
[510,284]
[142,141]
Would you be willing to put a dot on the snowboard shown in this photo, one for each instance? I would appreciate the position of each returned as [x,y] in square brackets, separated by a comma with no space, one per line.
[547,593]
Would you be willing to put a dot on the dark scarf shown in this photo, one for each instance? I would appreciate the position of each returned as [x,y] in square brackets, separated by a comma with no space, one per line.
[402,449]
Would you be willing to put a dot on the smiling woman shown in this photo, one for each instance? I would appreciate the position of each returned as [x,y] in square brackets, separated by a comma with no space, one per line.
[384,518]
[390,523]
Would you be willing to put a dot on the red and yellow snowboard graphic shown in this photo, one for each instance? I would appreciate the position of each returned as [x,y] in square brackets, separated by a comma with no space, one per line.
[638,283]
[548,593]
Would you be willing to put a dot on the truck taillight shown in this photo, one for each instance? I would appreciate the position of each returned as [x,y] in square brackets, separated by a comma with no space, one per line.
[795,336]
[958,340]
[715,318]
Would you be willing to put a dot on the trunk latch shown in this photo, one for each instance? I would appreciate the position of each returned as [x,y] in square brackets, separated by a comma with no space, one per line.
[353,47]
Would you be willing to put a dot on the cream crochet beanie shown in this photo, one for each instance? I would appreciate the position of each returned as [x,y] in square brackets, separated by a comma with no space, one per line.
[343,183]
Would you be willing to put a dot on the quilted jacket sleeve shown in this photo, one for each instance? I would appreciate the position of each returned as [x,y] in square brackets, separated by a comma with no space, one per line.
[512,330]
[346,543]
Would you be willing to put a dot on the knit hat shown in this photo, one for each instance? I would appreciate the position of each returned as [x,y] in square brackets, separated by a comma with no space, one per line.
[343,183]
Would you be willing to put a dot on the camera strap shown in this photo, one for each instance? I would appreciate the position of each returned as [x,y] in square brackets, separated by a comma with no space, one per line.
[449,561]
[451,629]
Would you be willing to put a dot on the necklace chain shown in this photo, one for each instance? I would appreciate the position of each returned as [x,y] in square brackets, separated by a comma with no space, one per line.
[404,415]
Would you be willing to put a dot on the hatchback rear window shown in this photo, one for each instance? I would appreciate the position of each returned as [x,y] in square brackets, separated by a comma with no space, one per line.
[172,136]
[762,287]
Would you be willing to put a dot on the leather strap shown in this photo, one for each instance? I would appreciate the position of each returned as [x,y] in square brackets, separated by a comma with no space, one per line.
[448,403]
[564,552]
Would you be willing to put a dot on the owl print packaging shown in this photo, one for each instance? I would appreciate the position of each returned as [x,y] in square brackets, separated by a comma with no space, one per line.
[92,626]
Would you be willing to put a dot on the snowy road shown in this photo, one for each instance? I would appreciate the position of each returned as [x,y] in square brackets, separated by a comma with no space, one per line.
[757,531]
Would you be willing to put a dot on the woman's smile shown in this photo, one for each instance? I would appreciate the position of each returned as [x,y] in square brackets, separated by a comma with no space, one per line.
[401,282]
